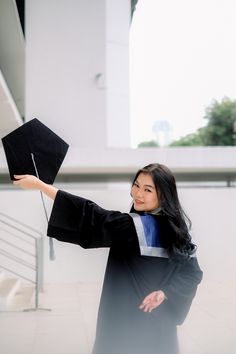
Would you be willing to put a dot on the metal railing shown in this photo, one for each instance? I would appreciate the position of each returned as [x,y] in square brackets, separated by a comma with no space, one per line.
[18,243]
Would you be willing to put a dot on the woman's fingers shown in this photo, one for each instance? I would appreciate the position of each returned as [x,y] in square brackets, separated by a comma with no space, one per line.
[26,181]
[20,176]
[147,308]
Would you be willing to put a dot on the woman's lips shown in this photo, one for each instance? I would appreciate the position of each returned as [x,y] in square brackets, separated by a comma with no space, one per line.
[138,202]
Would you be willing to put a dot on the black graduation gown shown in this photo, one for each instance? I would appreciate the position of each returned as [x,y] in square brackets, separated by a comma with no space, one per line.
[121,326]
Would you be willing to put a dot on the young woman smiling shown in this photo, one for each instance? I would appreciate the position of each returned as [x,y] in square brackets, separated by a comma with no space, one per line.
[152,271]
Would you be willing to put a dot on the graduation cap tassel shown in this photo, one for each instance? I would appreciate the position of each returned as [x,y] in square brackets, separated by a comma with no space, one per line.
[51,244]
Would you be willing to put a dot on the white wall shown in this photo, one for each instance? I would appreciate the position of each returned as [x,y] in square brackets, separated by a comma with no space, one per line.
[212,212]
[77,69]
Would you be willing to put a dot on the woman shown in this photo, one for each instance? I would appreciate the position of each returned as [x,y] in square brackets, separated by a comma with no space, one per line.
[152,271]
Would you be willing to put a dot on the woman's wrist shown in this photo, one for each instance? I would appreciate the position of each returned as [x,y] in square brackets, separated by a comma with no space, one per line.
[162,293]
[48,189]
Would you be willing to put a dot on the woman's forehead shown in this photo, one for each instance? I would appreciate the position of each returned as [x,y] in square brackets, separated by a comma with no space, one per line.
[145,178]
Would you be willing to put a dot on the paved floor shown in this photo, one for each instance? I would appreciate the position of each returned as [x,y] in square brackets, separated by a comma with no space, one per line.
[69,327]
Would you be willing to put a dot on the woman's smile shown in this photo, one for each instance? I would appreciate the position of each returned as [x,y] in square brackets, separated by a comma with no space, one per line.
[138,202]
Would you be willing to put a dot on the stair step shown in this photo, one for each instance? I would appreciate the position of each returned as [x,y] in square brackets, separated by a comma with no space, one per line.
[22,299]
[8,288]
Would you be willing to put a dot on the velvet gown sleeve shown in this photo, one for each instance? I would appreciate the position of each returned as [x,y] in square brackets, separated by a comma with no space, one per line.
[182,286]
[80,221]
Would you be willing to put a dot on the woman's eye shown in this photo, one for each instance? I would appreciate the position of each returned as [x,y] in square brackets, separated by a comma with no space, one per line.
[147,190]
[136,185]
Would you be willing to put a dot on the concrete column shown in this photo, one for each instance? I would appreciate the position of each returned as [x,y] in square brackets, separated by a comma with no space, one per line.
[77,69]
[117,57]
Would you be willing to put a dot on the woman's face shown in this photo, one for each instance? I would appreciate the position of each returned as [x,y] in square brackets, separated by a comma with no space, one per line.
[144,193]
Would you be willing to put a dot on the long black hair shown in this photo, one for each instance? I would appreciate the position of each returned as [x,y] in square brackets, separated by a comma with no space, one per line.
[166,189]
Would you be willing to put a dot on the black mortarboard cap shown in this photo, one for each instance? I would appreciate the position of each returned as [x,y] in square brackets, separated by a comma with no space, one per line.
[34,147]
[36,150]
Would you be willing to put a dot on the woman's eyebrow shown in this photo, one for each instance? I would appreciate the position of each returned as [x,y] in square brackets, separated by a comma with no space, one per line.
[145,185]
[148,185]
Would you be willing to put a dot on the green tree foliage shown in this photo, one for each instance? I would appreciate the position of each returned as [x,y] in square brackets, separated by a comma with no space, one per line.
[220,129]
[194,139]
[150,143]
[221,118]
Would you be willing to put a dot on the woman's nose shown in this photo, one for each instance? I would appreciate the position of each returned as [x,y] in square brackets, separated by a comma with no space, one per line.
[139,193]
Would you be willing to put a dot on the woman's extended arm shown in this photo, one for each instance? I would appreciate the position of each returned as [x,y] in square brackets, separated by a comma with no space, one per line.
[32,182]
[80,221]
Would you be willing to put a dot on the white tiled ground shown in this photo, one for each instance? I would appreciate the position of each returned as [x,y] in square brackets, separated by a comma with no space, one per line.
[69,327]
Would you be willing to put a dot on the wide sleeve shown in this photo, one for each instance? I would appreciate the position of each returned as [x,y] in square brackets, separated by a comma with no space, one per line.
[80,221]
[182,286]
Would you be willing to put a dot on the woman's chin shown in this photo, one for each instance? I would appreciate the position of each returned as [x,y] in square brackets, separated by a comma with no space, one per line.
[139,207]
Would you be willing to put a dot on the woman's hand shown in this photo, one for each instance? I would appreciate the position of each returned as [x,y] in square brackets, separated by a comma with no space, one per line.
[152,301]
[32,182]
[27,181]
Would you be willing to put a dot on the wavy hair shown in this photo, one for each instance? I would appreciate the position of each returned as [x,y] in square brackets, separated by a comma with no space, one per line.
[166,189]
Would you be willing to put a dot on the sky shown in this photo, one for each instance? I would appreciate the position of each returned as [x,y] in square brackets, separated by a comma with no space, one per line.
[182,58]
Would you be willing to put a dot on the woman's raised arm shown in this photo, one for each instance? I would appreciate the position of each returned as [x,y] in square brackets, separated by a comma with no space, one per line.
[32,182]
